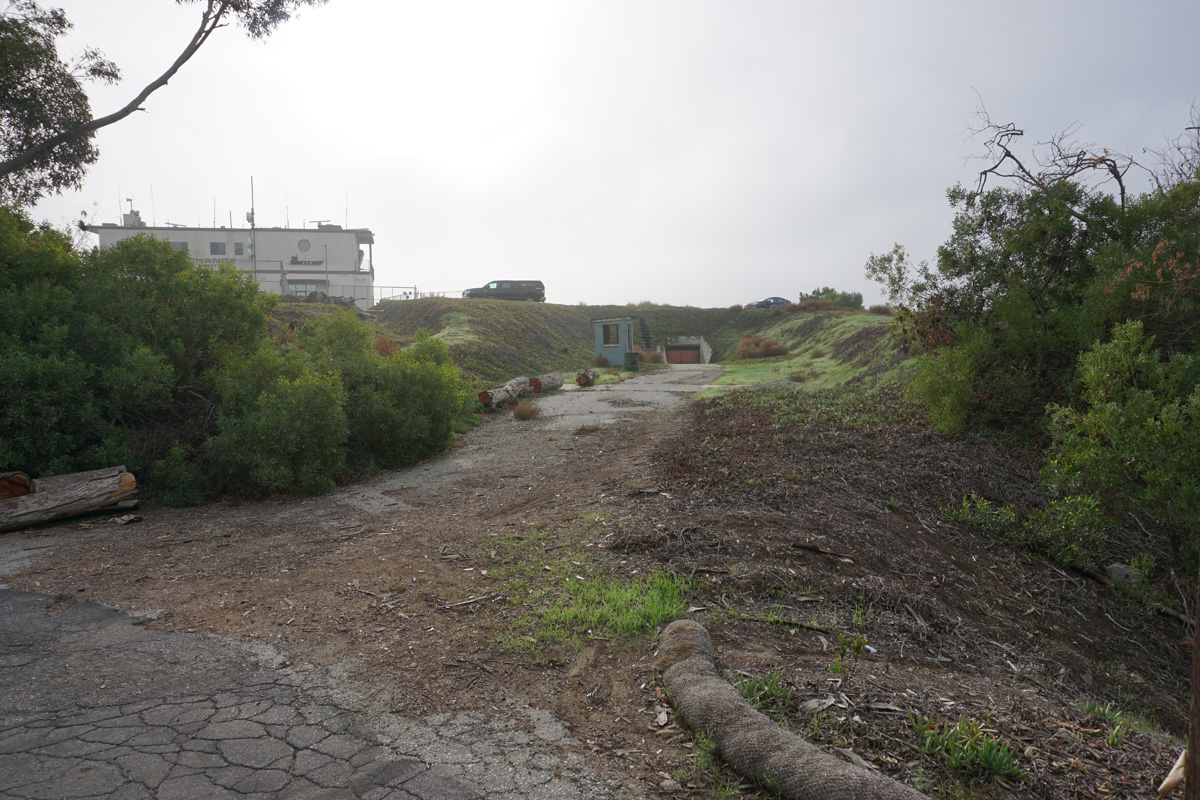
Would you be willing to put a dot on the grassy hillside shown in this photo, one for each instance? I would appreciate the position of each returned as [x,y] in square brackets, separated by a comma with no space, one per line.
[493,340]
[827,348]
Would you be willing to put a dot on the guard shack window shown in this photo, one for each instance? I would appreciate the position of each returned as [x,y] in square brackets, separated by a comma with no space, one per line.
[611,334]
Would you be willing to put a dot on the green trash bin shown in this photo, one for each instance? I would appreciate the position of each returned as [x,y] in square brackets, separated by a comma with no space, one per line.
[631,362]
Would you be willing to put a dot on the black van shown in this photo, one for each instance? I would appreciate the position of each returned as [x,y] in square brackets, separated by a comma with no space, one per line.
[510,290]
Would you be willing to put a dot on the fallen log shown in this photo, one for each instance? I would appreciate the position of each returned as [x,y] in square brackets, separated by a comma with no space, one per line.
[587,377]
[67,496]
[748,740]
[518,386]
[542,383]
[498,397]
[16,484]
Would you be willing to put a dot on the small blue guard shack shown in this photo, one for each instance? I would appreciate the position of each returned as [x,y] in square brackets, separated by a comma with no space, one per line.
[616,338]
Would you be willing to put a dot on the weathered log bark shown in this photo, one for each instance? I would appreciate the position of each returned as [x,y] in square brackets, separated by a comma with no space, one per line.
[551,380]
[751,743]
[496,398]
[587,377]
[16,484]
[518,386]
[68,495]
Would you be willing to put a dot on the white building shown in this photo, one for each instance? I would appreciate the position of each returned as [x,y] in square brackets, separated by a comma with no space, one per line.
[296,261]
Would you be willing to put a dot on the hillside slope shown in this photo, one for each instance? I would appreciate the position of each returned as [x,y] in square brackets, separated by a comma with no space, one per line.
[493,340]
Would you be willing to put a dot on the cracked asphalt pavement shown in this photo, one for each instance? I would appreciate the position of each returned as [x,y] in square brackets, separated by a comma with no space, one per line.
[95,705]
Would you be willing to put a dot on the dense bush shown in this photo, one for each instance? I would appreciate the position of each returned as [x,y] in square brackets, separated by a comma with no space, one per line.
[828,297]
[98,349]
[135,355]
[1041,315]
[1134,442]
[291,437]
[331,403]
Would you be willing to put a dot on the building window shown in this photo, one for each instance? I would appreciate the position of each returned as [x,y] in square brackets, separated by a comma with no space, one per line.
[216,248]
[611,334]
[180,246]
[237,249]
[303,289]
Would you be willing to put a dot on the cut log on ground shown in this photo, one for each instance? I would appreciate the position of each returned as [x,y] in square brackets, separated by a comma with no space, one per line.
[509,392]
[16,484]
[587,377]
[543,383]
[518,386]
[748,740]
[67,496]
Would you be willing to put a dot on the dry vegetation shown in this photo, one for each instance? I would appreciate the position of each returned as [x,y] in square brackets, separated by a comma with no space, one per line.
[649,356]
[754,346]
[525,410]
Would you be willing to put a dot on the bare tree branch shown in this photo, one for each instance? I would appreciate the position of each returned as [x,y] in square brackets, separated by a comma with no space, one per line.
[1178,159]
[1056,160]
[210,21]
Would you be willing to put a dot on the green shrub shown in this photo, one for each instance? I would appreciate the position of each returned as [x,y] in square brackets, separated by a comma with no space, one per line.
[827,298]
[1071,530]
[1135,446]
[400,407]
[291,438]
[72,381]
[134,354]
[176,480]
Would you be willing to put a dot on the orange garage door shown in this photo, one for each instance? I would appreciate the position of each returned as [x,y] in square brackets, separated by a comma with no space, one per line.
[683,355]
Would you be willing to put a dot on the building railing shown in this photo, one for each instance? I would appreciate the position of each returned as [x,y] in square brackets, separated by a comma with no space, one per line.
[365,296]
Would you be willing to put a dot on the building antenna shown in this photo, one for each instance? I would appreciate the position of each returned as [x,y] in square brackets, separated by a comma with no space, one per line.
[254,236]
[347,206]
[153,216]
[287,220]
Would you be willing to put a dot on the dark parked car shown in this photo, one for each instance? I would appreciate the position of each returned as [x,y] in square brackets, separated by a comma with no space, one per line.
[770,302]
[510,290]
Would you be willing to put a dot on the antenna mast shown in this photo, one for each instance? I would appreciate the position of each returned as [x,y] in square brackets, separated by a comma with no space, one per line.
[253,234]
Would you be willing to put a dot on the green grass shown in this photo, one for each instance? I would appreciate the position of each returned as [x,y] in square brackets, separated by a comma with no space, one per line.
[708,773]
[603,606]
[768,692]
[760,370]
[568,597]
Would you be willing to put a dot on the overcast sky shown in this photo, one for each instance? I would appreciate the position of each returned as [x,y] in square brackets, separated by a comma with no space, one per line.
[691,153]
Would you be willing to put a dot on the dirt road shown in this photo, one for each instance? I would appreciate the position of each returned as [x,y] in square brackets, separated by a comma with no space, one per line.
[357,593]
